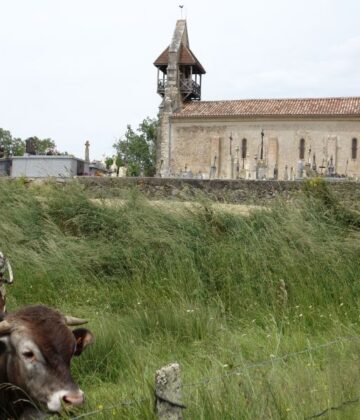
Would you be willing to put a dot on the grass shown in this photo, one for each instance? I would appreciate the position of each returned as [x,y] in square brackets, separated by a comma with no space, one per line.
[201,286]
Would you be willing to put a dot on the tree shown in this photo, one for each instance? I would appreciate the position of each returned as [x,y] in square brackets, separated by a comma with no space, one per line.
[5,142]
[108,162]
[17,147]
[137,149]
[42,146]
[10,146]
[13,146]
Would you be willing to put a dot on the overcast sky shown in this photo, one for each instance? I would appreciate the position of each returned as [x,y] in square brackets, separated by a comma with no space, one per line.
[75,70]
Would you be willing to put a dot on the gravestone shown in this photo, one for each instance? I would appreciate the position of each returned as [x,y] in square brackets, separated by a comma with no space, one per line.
[30,146]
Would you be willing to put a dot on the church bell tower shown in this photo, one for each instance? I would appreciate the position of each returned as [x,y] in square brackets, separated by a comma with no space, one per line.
[179,80]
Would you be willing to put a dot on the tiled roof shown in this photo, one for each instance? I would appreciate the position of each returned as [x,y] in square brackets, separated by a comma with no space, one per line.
[163,58]
[187,58]
[253,108]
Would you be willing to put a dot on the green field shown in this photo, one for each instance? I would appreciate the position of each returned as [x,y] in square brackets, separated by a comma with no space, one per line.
[226,295]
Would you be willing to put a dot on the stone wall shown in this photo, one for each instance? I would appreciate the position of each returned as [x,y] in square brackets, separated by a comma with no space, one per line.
[231,191]
[194,145]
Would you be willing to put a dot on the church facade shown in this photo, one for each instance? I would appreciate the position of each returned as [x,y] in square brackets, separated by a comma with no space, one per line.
[249,139]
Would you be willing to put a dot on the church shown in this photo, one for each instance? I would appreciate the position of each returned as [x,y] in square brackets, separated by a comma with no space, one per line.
[248,139]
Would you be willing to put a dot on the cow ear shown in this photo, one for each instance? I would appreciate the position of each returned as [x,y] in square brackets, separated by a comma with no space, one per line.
[83,338]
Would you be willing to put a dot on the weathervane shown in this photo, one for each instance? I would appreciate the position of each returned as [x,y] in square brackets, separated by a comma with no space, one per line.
[181,8]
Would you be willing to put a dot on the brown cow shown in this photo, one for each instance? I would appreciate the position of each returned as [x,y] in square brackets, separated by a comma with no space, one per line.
[36,347]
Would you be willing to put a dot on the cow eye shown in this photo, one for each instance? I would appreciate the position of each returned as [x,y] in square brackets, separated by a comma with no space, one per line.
[28,354]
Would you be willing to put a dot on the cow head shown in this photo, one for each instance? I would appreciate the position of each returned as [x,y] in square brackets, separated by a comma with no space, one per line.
[39,347]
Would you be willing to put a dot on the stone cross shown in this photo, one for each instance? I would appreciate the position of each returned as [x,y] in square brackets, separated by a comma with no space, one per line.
[87,151]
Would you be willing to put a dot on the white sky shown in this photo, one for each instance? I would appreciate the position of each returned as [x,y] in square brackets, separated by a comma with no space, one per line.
[75,70]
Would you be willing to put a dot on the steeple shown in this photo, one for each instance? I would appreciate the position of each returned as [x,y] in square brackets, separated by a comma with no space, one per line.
[179,81]
[179,71]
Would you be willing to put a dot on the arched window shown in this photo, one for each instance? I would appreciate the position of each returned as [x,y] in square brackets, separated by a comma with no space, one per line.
[243,148]
[302,149]
[354,145]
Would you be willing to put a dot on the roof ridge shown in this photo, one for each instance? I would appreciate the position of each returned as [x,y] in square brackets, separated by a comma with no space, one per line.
[324,98]
[331,106]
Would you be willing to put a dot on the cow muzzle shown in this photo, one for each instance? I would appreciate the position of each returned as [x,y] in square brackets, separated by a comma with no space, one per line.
[74,399]
[63,400]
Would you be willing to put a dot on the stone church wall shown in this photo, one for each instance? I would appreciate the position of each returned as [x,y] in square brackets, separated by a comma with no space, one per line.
[202,147]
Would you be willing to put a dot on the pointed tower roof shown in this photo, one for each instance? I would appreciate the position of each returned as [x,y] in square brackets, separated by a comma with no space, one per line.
[187,58]
[180,42]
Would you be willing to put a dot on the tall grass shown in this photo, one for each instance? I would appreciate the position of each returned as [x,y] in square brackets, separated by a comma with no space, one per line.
[201,286]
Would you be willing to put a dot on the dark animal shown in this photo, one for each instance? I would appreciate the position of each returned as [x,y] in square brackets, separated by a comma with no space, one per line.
[36,348]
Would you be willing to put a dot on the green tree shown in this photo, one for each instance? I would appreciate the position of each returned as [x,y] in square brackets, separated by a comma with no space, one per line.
[18,147]
[14,146]
[43,145]
[5,142]
[108,162]
[137,149]
[9,145]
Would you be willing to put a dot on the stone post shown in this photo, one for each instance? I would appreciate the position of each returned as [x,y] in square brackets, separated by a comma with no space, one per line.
[168,393]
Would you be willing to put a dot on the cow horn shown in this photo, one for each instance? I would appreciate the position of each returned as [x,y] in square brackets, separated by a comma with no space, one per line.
[72,321]
[10,272]
[4,327]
